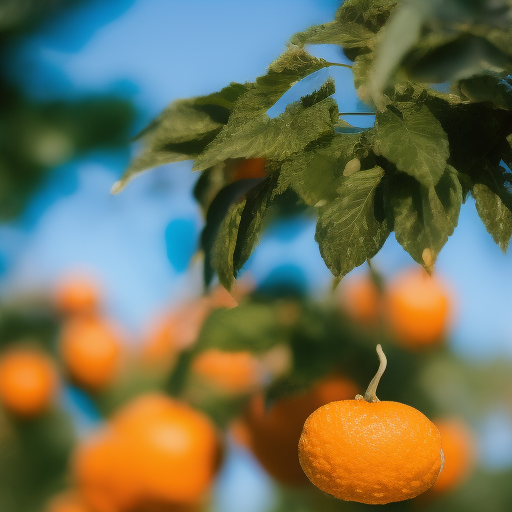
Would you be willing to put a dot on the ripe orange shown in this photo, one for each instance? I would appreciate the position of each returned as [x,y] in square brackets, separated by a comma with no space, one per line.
[175,448]
[28,382]
[360,298]
[77,293]
[230,372]
[369,451]
[417,308]
[251,168]
[105,473]
[273,434]
[459,454]
[90,348]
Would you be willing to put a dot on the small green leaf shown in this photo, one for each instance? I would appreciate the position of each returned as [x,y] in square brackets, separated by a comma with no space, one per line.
[488,88]
[183,130]
[494,203]
[424,218]
[240,230]
[351,229]
[414,140]
[250,326]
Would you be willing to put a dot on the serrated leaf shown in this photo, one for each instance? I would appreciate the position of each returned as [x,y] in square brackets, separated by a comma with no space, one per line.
[262,137]
[414,140]
[372,14]
[316,173]
[249,117]
[493,196]
[240,230]
[183,130]
[348,231]
[346,34]
[250,326]
[424,218]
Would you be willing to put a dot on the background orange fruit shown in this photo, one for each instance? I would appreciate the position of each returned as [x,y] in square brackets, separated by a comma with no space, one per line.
[417,308]
[273,434]
[28,382]
[360,299]
[77,293]
[230,372]
[459,453]
[373,453]
[250,168]
[91,350]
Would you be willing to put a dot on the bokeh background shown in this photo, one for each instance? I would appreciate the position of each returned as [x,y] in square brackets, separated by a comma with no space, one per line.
[129,59]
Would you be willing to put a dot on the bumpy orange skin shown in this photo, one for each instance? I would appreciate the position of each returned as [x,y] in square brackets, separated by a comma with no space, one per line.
[360,298]
[28,381]
[77,294]
[372,453]
[251,168]
[459,453]
[272,435]
[90,348]
[229,372]
[417,309]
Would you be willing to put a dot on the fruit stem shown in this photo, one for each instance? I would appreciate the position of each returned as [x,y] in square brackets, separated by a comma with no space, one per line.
[371,392]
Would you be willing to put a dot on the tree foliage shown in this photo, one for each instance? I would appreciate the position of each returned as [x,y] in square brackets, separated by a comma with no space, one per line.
[435,73]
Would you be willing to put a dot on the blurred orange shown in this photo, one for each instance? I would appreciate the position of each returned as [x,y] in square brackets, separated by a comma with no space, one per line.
[67,502]
[91,350]
[106,474]
[175,448]
[251,168]
[174,332]
[77,293]
[361,300]
[28,382]
[458,446]
[417,308]
[230,372]
[273,434]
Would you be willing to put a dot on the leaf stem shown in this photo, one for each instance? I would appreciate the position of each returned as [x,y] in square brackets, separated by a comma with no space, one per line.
[340,65]
[371,392]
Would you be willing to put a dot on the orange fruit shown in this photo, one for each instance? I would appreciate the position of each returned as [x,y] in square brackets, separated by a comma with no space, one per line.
[360,299]
[459,453]
[175,448]
[105,473]
[77,293]
[273,434]
[230,372]
[417,308]
[28,382]
[90,348]
[369,451]
[250,168]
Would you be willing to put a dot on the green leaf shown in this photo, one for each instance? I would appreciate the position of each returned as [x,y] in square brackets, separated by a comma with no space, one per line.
[488,88]
[275,138]
[424,218]
[250,326]
[351,228]
[346,34]
[183,130]
[414,140]
[371,14]
[493,197]
[249,118]
[316,173]
[240,231]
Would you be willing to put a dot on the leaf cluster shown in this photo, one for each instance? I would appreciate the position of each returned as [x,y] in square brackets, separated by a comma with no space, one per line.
[436,75]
